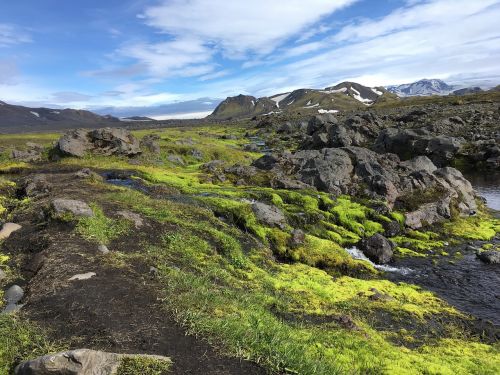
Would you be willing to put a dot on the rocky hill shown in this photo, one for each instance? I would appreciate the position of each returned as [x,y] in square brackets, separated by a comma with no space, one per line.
[15,118]
[344,96]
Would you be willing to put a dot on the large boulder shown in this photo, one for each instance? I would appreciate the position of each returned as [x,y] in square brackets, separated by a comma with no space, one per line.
[407,143]
[62,207]
[377,248]
[105,141]
[88,362]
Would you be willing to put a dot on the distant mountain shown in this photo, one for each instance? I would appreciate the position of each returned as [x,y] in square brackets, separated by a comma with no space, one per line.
[21,119]
[467,90]
[344,96]
[424,87]
[137,118]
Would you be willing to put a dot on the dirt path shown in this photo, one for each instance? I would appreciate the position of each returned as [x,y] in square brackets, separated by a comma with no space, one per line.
[116,310]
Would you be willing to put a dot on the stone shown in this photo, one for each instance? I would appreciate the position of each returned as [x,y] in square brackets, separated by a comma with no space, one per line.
[377,248]
[269,215]
[11,308]
[62,206]
[176,159]
[105,141]
[489,256]
[82,276]
[103,249]
[35,186]
[133,217]
[14,294]
[3,275]
[8,229]
[87,173]
[27,156]
[391,228]
[80,362]
[35,146]
[151,143]
[298,238]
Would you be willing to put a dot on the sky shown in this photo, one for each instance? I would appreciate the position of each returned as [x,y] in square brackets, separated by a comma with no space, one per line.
[162,57]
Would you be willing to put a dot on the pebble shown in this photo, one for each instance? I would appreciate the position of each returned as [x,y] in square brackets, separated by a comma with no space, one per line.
[103,249]
[83,276]
[2,275]
[8,229]
[14,294]
[11,308]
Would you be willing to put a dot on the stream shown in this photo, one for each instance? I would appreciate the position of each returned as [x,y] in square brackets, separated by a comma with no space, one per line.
[464,281]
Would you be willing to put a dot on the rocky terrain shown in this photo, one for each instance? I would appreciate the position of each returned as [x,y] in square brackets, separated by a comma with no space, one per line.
[329,243]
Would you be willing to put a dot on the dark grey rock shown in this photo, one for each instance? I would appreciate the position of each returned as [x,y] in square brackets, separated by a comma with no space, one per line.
[489,256]
[377,248]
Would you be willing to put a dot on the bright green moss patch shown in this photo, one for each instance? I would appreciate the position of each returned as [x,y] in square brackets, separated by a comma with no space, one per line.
[355,217]
[101,229]
[21,340]
[419,241]
[143,366]
[404,252]
[479,227]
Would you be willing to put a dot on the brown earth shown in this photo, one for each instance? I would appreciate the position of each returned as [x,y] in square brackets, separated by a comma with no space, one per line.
[119,309]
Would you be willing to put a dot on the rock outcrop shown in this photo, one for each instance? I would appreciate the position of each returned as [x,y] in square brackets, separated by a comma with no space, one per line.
[427,193]
[408,143]
[105,141]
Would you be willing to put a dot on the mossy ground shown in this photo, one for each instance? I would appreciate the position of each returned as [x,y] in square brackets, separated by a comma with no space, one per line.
[309,308]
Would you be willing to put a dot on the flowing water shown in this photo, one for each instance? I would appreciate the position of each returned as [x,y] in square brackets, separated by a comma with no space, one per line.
[463,281]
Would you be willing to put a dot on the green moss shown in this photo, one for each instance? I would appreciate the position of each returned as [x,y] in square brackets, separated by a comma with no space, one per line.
[144,366]
[355,217]
[404,252]
[21,340]
[481,227]
[399,217]
[101,229]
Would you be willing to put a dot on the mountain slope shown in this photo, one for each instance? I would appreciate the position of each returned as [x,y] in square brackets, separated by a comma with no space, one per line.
[424,87]
[344,96]
[18,118]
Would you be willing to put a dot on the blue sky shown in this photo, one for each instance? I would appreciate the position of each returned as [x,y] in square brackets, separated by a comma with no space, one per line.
[145,57]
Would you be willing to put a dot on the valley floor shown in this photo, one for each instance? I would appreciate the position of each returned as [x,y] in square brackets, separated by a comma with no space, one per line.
[192,272]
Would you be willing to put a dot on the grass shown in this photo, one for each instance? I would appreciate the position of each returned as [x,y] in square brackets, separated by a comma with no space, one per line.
[241,285]
[255,308]
[100,228]
[143,366]
[21,340]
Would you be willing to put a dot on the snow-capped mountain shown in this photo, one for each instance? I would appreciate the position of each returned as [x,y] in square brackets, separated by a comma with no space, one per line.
[424,87]
[344,96]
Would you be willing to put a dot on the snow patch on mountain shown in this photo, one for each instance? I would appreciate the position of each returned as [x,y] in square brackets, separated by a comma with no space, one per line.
[278,98]
[359,98]
[377,91]
[323,111]
[35,113]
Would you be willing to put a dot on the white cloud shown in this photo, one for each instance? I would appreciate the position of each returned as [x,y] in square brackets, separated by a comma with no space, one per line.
[10,35]
[239,27]
[184,56]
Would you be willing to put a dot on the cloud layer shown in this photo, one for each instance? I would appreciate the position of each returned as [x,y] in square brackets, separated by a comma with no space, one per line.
[178,51]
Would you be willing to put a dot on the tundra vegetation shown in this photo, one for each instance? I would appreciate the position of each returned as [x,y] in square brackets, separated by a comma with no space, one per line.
[282,293]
